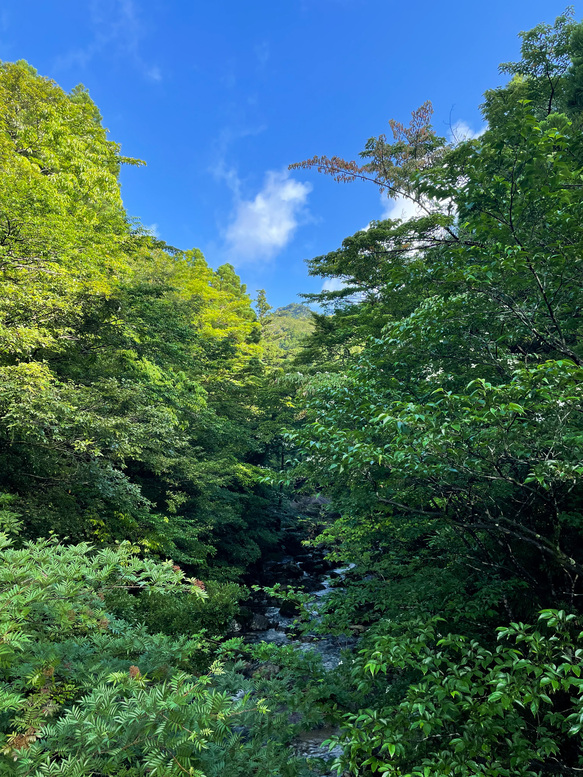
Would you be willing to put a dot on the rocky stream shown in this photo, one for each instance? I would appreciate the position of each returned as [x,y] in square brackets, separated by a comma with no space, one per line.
[273,622]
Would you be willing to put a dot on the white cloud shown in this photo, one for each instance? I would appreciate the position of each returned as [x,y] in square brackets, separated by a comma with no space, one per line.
[117,28]
[461,131]
[262,227]
[333,284]
[339,284]
[401,208]
[405,209]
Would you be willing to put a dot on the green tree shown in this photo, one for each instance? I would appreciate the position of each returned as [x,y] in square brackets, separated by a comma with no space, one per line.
[445,425]
[129,370]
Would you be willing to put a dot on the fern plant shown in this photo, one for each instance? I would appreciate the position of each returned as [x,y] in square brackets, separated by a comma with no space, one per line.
[84,693]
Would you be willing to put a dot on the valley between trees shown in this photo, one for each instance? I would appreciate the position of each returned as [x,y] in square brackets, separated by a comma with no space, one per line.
[165,442]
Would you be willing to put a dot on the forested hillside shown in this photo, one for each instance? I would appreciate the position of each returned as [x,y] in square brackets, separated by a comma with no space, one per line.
[131,372]
[164,445]
[289,327]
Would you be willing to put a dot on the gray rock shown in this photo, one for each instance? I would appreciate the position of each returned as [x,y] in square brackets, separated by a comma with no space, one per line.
[259,622]
[268,671]
[289,609]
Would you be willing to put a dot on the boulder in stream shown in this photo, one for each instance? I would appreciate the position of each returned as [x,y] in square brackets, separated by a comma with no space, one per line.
[259,622]
[268,671]
[289,609]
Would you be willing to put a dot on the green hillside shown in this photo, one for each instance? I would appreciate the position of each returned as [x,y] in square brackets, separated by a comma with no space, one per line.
[289,326]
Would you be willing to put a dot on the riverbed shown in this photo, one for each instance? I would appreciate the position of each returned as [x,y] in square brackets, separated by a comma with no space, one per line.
[268,624]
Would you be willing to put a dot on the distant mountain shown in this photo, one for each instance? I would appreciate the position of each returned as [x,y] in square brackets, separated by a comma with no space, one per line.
[293,310]
[289,326]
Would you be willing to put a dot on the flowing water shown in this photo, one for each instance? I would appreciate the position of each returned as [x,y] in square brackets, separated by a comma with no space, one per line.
[329,647]
[278,629]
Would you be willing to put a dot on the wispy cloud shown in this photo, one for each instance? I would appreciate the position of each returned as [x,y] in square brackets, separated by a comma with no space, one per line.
[262,53]
[154,73]
[263,226]
[333,284]
[152,229]
[220,168]
[263,223]
[461,131]
[117,29]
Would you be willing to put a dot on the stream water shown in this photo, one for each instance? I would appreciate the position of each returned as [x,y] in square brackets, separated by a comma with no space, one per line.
[278,631]
[270,625]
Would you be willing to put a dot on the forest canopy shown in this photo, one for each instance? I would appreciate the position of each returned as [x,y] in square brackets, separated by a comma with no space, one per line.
[447,430]
[158,433]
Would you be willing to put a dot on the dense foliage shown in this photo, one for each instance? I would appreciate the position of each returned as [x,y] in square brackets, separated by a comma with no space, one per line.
[289,327]
[447,428]
[433,403]
[130,371]
[84,693]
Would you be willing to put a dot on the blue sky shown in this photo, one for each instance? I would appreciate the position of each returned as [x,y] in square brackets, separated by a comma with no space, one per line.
[219,98]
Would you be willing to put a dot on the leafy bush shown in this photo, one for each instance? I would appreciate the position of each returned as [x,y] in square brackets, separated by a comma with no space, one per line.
[184,612]
[466,710]
[85,693]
